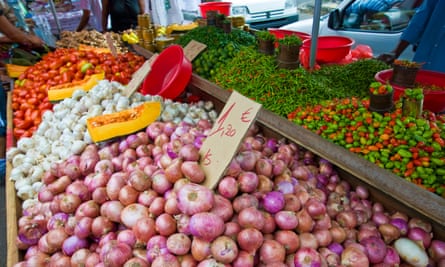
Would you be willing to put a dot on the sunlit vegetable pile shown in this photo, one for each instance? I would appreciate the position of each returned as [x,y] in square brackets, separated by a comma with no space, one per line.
[63,66]
[137,200]
[413,148]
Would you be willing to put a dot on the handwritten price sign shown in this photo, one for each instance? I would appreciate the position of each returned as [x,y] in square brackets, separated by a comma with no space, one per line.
[223,141]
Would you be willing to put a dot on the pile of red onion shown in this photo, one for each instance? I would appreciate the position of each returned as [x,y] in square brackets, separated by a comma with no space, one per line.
[138,202]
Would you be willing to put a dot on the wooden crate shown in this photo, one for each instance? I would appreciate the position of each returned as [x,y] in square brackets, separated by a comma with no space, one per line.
[394,193]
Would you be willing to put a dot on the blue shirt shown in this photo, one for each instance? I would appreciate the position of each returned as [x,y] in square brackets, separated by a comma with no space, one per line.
[371,6]
[427,30]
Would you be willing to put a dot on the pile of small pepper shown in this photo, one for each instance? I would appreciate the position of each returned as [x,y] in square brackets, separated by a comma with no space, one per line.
[413,148]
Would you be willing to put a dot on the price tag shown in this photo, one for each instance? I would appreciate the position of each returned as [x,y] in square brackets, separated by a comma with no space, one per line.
[139,76]
[110,44]
[193,49]
[226,135]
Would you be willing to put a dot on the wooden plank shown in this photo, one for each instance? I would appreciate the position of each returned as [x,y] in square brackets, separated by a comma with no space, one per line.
[13,206]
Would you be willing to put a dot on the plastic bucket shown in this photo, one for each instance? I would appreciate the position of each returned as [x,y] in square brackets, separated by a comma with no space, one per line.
[220,7]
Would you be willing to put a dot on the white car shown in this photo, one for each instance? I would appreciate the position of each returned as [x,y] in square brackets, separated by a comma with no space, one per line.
[258,14]
[379,30]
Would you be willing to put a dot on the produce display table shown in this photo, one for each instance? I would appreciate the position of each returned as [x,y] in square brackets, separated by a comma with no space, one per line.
[394,193]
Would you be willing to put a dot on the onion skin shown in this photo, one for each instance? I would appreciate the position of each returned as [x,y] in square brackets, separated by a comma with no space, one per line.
[250,239]
[224,249]
[194,198]
[206,225]
[272,251]
[375,248]
[307,257]
[353,256]
[437,250]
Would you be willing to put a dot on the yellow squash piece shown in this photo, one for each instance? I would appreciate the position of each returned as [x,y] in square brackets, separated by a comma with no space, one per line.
[60,92]
[99,50]
[121,123]
[14,71]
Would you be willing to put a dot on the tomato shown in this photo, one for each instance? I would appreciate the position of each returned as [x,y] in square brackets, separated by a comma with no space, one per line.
[55,64]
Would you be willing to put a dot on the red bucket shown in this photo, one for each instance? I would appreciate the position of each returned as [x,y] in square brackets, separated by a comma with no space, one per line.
[220,7]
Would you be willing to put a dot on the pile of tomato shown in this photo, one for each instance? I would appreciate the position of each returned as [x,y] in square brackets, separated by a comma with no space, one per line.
[63,66]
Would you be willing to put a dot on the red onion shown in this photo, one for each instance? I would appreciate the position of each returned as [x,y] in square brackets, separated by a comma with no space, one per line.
[157,206]
[69,203]
[79,189]
[133,212]
[179,244]
[308,239]
[200,249]
[166,259]
[420,236]
[160,183]
[323,237]
[79,257]
[224,249]
[117,255]
[354,256]
[263,166]
[248,181]
[273,201]
[392,257]
[144,229]
[251,217]
[135,261]
[173,171]
[228,187]
[437,250]
[244,259]
[289,239]
[247,159]
[83,227]
[102,226]
[269,223]
[72,244]
[315,208]
[30,233]
[112,210]
[206,225]
[189,152]
[156,246]
[194,198]
[272,251]
[165,224]
[115,183]
[127,236]
[375,248]
[58,220]
[286,220]
[389,232]
[139,180]
[250,239]
[244,201]
[401,224]
[128,195]
[307,257]
[305,221]
[193,171]
[222,207]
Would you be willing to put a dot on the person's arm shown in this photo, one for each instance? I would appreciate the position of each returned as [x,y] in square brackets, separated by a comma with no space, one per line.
[16,35]
[141,6]
[105,13]
[83,20]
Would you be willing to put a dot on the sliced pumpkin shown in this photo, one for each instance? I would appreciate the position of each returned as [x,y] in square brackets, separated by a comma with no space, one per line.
[99,50]
[14,71]
[107,126]
[62,91]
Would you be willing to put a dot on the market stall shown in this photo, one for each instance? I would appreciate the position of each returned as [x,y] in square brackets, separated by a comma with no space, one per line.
[304,194]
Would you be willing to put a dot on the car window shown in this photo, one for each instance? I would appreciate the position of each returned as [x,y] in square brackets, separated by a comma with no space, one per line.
[379,15]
